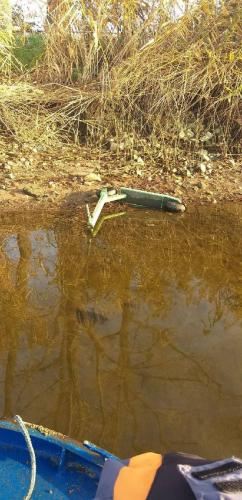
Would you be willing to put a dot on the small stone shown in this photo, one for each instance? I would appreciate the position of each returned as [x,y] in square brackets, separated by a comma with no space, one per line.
[140,160]
[186,134]
[92,177]
[139,172]
[206,137]
[40,148]
[204,155]
[11,176]
[203,168]
[182,134]
[113,146]
[51,183]
[189,133]
[31,191]
[200,185]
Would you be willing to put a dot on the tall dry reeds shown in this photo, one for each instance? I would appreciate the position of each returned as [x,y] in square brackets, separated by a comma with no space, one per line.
[188,82]
[84,39]
[6,38]
[138,70]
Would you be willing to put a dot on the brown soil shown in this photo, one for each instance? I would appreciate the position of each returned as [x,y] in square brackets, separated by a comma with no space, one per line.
[53,177]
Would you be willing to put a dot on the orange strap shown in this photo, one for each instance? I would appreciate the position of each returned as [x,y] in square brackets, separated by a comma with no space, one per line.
[135,480]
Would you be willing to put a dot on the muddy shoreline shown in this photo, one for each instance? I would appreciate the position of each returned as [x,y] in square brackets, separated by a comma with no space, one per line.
[33,177]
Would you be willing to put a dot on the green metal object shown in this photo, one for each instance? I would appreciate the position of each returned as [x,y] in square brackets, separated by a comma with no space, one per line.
[105,197]
[134,197]
[148,199]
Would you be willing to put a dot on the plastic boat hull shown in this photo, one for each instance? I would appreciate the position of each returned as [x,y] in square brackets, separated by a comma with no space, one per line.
[65,468]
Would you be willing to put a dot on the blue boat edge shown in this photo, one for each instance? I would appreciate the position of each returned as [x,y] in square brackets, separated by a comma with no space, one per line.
[77,463]
[51,436]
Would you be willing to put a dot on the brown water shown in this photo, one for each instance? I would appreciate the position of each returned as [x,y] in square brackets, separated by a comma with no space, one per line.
[132,339]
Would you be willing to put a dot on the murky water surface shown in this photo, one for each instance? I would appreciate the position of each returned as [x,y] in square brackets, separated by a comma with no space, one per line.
[132,339]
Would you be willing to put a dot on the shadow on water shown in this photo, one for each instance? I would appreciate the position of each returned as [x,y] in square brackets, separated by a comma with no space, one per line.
[131,339]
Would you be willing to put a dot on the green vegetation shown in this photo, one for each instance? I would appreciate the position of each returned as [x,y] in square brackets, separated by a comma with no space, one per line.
[28,49]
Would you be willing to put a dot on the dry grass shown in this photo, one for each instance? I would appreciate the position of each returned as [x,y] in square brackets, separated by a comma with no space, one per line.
[135,74]
[84,40]
[24,114]
[187,82]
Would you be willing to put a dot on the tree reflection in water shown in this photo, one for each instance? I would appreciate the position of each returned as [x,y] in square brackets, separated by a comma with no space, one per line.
[131,339]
